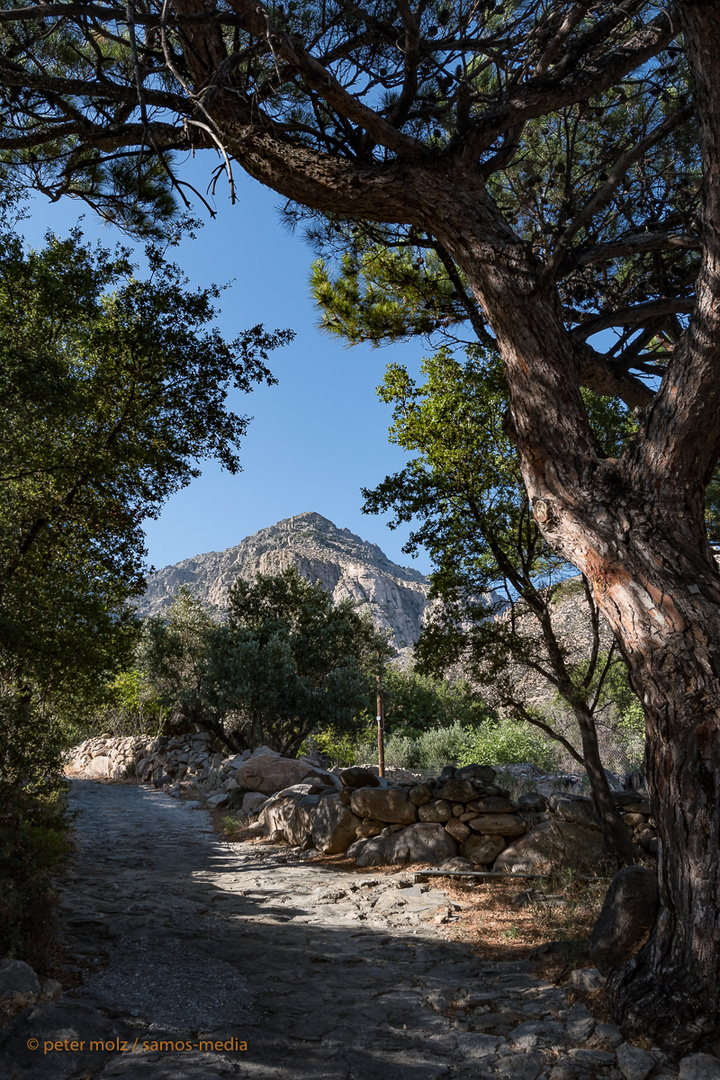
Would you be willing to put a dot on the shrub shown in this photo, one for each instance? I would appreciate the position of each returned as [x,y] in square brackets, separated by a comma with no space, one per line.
[509,743]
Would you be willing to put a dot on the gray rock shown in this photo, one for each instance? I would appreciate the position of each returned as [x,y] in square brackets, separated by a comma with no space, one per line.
[457,790]
[627,916]
[357,777]
[437,810]
[553,845]
[520,1066]
[580,1023]
[482,773]
[17,977]
[73,1022]
[482,850]
[458,863]
[368,828]
[420,794]
[425,842]
[634,1063]
[269,773]
[609,1035]
[299,827]
[217,800]
[699,1067]
[369,852]
[457,830]
[545,1034]
[587,979]
[591,1058]
[576,808]
[498,825]
[253,800]
[380,804]
[334,826]
[532,800]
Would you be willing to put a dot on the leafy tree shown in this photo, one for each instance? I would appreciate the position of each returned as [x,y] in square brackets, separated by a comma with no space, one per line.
[111,389]
[284,663]
[414,703]
[496,576]
[552,153]
[288,661]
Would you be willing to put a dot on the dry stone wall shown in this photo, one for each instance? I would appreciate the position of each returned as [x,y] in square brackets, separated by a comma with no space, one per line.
[460,820]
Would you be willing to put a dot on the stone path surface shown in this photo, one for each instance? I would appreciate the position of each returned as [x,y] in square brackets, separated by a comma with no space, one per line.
[251,961]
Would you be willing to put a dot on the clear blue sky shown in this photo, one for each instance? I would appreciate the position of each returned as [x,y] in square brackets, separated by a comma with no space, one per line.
[317,437]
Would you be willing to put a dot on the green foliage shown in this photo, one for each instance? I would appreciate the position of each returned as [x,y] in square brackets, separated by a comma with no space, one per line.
[413,703]
[111,390]
[171,659]
[288,661]
[499,582]
[510,743]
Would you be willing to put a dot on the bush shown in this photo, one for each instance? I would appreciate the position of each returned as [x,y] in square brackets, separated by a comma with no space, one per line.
[34,831]
[510,743]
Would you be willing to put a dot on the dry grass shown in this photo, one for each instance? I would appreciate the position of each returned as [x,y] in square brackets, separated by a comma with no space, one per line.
[553,926]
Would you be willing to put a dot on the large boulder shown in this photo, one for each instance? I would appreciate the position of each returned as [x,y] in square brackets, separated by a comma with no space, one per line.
[268,772]
[426,842]
[552,845]
[577,808]
[384,804]
[626,919]
[498,825]
[482,850]
[357,777]
[300,822]
[334,826]
[368,852]
[457,790]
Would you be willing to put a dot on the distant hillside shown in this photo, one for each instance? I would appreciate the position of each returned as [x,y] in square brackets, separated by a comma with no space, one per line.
[344,564]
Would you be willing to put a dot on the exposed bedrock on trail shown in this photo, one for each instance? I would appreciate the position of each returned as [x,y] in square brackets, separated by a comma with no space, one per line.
[319,972]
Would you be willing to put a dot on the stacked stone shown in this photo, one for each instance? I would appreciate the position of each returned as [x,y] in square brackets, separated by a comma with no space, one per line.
[637,815]
[105,755]
[460,813]
[189,765]
[633,806]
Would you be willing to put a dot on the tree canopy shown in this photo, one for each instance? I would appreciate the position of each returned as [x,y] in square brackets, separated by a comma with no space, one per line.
[285,662]
[111,390]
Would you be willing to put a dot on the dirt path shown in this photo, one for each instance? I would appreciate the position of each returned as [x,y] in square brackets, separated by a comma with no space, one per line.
[321,973]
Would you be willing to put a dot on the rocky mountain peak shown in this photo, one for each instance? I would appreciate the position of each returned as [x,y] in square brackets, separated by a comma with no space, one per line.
[343,563]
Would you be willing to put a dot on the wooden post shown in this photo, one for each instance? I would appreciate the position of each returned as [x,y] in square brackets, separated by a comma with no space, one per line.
[380,723]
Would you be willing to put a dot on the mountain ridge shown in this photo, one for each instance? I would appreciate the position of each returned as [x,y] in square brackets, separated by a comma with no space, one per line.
[345,564]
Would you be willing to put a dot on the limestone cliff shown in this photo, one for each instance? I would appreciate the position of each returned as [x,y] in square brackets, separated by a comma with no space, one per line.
[344,564]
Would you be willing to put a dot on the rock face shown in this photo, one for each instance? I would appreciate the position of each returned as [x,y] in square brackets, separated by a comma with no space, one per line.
[626,919]
[344,564]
